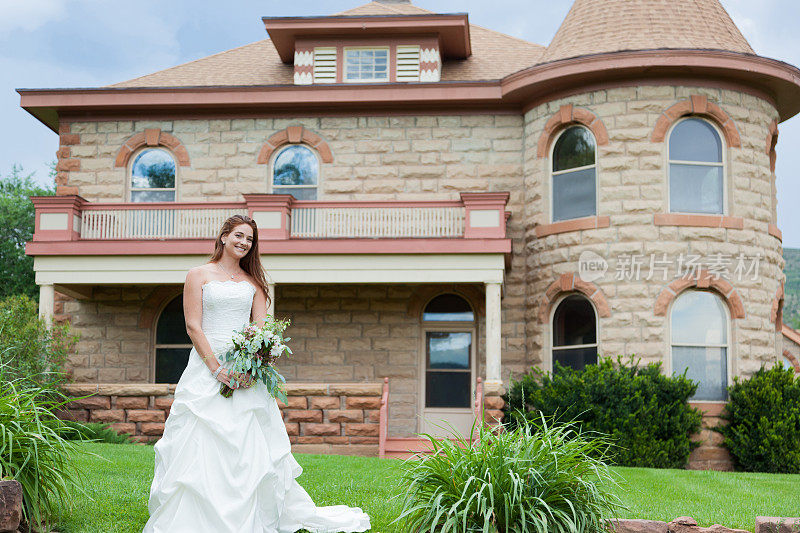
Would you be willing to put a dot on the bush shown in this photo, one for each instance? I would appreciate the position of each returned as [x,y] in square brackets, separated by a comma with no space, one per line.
[763,421]
[33,449]
[95,432]
[31,350]
[644,413]
[545,478]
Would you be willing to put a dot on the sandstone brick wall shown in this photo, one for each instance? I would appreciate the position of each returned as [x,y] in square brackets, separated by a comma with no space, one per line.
[112,347]
[632,178]
[374,158]
[319,417]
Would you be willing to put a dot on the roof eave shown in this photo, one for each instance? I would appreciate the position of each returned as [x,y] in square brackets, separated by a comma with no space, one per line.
[774,79]
[452,29]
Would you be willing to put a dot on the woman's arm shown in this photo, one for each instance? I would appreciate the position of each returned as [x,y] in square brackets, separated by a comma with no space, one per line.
[193,314]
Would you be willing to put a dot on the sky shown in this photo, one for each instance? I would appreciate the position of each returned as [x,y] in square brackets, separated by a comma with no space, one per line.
[88,43]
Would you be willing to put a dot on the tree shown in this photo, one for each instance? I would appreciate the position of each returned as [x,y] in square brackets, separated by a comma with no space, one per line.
[16,228]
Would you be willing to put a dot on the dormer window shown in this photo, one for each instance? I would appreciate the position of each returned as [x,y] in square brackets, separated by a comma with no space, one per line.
[366,65]
[369,49]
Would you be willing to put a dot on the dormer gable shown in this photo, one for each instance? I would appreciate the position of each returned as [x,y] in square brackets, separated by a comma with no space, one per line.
[369,48]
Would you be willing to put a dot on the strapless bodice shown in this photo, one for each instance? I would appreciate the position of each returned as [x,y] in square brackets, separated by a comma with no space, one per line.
[226,308]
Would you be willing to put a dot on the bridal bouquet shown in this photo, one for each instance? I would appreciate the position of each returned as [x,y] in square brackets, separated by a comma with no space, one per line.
[255,350]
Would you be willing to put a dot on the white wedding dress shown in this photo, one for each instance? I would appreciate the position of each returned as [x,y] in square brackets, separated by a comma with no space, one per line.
[225,464]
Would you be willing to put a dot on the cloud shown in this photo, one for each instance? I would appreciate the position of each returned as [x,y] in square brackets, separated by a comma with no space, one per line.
[28,15]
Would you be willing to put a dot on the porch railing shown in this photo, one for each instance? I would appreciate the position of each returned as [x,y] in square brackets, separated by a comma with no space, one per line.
[279,217]
[154,223]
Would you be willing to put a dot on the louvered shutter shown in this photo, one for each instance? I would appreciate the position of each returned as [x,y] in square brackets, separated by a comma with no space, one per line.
[325,65]
[408,63]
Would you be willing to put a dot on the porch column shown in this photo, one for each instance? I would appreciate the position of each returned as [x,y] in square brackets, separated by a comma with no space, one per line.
[271,294]
[493,334]
[47,296]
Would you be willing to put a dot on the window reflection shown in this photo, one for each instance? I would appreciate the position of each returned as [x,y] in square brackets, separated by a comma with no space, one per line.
[153,176]
[699,337]
[173,344]
[296,172]
[448,308]
[574,333]
[574,190]
[696,182]
[366,65]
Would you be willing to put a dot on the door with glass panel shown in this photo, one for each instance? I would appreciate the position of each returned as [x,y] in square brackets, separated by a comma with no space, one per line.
[172,343]
[448,366]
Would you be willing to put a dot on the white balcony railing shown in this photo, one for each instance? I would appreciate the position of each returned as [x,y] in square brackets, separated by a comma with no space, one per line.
[377,222]
[154,223]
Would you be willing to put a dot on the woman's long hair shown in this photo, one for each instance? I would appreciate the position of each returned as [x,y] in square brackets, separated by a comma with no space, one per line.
[250,263]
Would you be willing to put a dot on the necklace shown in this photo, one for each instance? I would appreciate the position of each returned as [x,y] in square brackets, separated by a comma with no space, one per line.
[223,269]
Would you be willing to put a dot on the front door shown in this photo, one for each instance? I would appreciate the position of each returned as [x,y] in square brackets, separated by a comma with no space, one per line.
[448,380]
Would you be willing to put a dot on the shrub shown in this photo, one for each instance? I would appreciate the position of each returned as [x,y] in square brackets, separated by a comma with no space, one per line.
[644,413]
[95,432]
[32,350]
[763,421]
[33,449]
[546,478]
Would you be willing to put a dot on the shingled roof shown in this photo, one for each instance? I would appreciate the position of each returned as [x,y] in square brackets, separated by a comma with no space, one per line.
[597,26]
[258,63]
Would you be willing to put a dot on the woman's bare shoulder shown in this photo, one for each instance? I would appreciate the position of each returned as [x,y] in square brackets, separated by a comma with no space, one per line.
[199,274]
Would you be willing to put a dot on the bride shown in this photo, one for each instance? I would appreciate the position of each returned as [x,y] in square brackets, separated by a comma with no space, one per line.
[224,464]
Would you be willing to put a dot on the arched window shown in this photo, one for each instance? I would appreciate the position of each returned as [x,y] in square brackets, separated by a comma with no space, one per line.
[574,333]
[172,343]
[448,324]
[295,171]
[696,175]
[574,174]
[153,176]
[699,331]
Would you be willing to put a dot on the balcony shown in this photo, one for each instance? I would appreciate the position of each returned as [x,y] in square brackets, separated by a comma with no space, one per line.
[70,225]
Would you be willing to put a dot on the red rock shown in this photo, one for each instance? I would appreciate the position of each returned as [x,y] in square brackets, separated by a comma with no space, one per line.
[10,505]
[638,526]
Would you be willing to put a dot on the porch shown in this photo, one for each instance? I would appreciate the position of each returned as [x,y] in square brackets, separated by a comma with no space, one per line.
[354,277]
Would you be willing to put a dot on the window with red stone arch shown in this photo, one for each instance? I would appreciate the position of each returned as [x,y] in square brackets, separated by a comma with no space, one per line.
[565,116]
[792,360]
[152,158]
[560,289]
[294,156]
[696,104]
[702,280]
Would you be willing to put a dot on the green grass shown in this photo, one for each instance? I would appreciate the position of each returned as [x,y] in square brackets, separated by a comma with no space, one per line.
[120,484]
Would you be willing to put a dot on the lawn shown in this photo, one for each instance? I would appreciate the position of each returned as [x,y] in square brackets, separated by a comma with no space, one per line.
[118,479]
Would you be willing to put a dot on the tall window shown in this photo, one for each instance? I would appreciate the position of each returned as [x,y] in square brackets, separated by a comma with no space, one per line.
[153,176]
[448,323]
[172,343]
[699,324]
[574,333]
[574,190]
[696,183]
[366,64]
[296,172]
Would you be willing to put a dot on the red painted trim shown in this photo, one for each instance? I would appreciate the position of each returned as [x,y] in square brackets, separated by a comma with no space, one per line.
[383,419]
[539,83]
[295,135]
[161,205]
[696,104]
[566,116]
[697,220]
[791,334]
[573,283]
[452,30]
[282,247]
[773,230]
[578,224]
[703,279]
[156,138]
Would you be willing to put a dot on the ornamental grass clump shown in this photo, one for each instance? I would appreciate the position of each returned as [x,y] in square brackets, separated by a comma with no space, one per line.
[538,478]
[33,449]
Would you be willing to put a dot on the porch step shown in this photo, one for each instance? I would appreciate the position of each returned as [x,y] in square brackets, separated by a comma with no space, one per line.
[406,447]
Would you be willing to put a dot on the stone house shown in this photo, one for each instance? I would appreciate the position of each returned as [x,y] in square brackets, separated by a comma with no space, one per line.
[437,203]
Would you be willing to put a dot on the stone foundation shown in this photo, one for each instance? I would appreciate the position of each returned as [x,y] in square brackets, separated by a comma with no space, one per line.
[710,455]
[320,418]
